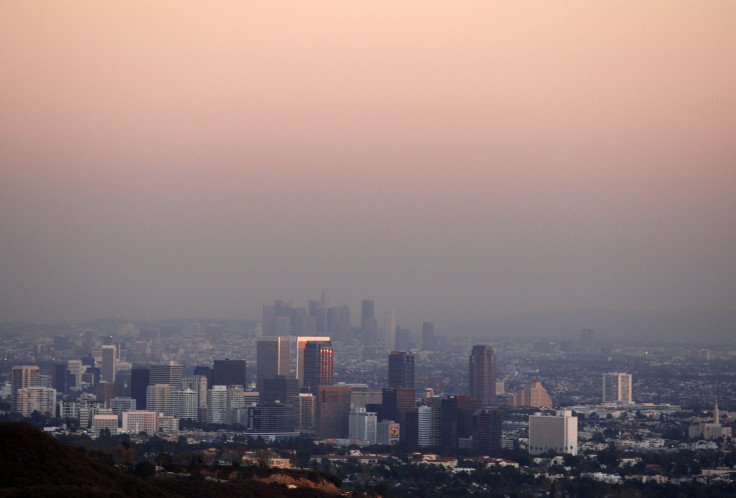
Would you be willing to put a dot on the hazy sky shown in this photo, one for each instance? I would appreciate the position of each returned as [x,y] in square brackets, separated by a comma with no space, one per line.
[448,159]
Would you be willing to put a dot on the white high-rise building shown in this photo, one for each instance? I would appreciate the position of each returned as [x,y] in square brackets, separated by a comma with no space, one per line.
[424,426]
[22,377]
[558,433]
[185,404]
[362,425]
[617,387]
[217,405]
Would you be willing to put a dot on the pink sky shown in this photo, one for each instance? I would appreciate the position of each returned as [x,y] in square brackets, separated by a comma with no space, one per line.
[445,158]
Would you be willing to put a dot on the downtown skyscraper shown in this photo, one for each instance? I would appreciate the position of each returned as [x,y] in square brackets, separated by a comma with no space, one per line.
[482,375]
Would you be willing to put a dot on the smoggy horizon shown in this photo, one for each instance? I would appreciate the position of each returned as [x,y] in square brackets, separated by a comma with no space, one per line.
[455,162]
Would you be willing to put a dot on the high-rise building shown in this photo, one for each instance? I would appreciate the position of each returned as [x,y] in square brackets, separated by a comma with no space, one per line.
[333,405]
[20,378]
[617,387]
[362,425]
[272,358]
[456,419]
[401,369]
[158,398]
[534,395]
[109,363]
[120,405]
[228,373]
[281,389]
[424,419]
[482,376]
[558,433]
[268,319]
[59,377]
[206,372]
[185,404]
[317,364]
[166,374]
[399,405]
[139,380]
[217,405]
[306,405]
[487,424]
[366,311]
[301,343]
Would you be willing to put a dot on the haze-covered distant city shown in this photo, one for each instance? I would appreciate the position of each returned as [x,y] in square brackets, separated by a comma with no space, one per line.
[377,248]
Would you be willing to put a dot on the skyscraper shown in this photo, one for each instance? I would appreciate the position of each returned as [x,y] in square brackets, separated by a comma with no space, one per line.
[166,374]
[399,405]
[401,369]
[482,376]
[108,367]
[301,343]
[368,324]
[22,377]
[389,330]
[487,430]
[333,406]
[616,387]
[272,359]
[428,340]
[228,373]
[317,364]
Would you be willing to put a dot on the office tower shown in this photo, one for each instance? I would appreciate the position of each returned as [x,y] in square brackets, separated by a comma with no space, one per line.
[279,389]
[270,417]
[122,404]
[487,425]
[306,403]
[301,343]
[185,404]
[109,357]
[217,405]
[228,373]
[435,434]
[166,374]
[399,405]
[428,340]
[389,330]
[158,398]
[534,395]
[20,378]
[272,359]
[424,425]
[198,384]
[616,387]
[362,425]
[105,391]
[317,364]
[59,377]
[268,319]
[333,405]
[36,399]
[456,419]
[139,380]
[76,369]
[366,311]
[138,421]
[401,369]
[482,375]
[558,433]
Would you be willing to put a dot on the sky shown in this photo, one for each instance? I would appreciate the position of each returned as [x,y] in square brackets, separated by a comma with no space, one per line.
[451,160]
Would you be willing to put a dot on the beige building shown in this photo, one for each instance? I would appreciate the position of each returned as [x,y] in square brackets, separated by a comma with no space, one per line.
[534,395]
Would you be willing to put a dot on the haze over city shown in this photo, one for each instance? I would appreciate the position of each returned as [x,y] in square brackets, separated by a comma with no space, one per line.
[457,162]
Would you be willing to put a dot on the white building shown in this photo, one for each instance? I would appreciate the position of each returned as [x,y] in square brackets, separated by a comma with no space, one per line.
[558,433]
[617,387]
[217,405]
[425,426]
[136,421]
[362,425]
[185,404]
[36,399]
